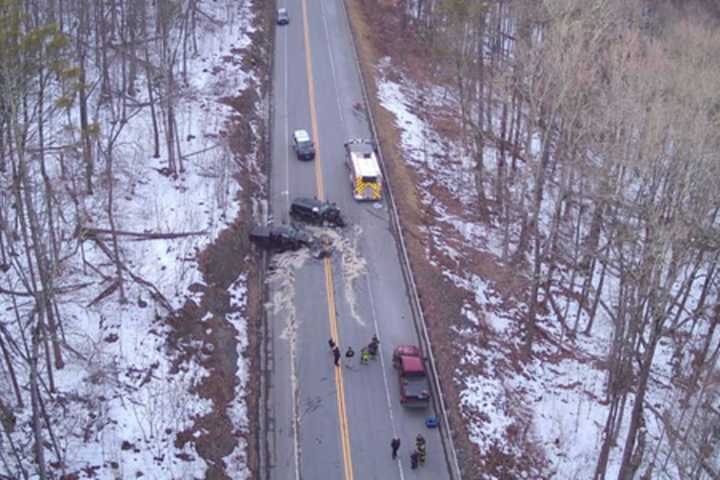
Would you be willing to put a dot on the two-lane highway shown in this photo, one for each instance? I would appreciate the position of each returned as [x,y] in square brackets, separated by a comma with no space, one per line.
[328,422]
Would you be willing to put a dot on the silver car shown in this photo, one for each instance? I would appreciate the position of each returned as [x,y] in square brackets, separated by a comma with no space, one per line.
[282,16]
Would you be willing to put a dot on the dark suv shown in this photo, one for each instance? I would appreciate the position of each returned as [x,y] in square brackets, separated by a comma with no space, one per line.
[312,210]
[303,145]
[279,238]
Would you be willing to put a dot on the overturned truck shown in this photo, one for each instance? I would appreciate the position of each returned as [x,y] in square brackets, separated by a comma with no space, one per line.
[281,238]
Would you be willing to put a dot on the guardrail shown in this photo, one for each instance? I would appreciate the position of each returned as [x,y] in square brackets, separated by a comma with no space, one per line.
[418,316]
[265,367]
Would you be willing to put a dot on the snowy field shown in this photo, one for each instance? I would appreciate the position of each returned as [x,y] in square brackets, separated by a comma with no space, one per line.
[124,396]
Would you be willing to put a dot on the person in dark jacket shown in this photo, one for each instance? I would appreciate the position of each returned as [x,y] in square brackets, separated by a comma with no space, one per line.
[349,354]
[373,346]
[336,354]
[395,445]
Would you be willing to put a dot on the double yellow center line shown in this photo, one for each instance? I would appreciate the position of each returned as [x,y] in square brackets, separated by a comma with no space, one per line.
[329,286]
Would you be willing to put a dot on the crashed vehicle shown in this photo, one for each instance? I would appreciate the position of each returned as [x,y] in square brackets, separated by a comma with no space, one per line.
[312,210]
[279,238]
[414,386]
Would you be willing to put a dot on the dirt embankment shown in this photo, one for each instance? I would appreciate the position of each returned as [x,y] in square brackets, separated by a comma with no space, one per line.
[222,263]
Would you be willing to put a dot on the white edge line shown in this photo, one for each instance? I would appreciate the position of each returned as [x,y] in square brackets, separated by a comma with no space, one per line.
[287,116]
[384,371]
[293,380]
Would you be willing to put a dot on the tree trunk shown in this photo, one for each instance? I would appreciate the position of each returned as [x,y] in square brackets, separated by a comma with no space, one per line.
[537,249]
[151,100]
[109,159]
[83,101]
[39,442]
[632,453]
[11,370]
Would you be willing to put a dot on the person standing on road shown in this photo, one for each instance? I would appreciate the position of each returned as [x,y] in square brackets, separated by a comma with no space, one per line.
[331,343]
[373,346]
[349,355]
[395,445]
[364,356]
[420,447]
[336,354]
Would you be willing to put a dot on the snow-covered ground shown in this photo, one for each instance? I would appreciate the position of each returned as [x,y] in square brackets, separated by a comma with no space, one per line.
[557,402]
[124,395]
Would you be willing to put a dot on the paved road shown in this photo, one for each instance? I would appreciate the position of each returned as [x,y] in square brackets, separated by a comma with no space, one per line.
[329,423]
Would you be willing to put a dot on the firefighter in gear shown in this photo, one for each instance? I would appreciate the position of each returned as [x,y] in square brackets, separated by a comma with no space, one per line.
[420,448]
[364,356]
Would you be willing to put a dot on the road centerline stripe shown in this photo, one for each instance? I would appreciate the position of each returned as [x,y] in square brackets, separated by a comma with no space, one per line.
[313,112]
[329,285]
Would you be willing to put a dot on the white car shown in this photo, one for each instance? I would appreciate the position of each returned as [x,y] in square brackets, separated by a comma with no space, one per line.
[303,145]
[282,16]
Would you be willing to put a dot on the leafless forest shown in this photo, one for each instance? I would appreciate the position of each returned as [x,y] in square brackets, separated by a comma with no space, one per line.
[74,76]
[594,129]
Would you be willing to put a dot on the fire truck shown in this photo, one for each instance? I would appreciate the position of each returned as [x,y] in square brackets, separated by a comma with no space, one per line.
[365,174]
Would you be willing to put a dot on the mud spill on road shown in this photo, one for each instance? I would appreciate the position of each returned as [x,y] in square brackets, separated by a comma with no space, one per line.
[281,283]
[283,267]
[352,264]
[281,280]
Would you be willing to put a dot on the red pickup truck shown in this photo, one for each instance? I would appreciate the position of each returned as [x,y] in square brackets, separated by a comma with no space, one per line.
[414,386]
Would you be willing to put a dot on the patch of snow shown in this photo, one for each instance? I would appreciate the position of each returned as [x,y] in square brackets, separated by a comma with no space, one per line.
[236,461]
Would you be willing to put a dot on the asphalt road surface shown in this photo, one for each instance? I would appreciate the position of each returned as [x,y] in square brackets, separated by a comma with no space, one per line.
[327,422]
